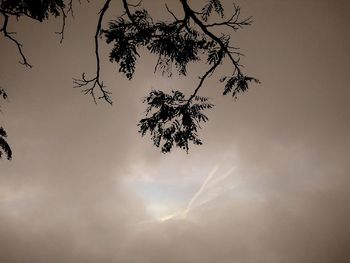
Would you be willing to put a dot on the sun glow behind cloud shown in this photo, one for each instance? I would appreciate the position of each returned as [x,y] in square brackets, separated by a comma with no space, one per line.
[210,182]
[166,198]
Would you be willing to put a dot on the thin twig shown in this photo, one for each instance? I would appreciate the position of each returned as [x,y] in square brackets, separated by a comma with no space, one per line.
[137,5]
[233,22]
[64,16]
[70,8]
[170,12]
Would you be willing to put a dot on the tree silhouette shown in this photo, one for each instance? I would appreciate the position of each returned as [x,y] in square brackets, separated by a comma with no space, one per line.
[171,119]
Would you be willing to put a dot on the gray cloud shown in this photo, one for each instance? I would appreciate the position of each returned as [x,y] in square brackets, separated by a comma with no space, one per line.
[65,197]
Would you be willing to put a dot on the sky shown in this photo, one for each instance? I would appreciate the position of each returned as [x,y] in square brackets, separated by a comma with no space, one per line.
[270,184]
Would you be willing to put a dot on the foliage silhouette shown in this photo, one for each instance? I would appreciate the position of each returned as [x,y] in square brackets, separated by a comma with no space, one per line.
[173,119]
[170,119]
[4,146]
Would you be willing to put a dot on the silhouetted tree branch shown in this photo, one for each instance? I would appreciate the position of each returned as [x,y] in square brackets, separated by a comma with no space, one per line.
[170,119]
[37,10]
[95,82]
[9,36]
[64,17]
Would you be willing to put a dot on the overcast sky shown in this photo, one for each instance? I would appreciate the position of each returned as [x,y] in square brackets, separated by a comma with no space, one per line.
[270,184]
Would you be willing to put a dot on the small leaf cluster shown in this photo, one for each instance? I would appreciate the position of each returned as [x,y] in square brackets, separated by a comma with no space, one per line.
[173,120]
[3,94]
[4,147]
[208,8]
[38,10]
[237,84]
[215,53]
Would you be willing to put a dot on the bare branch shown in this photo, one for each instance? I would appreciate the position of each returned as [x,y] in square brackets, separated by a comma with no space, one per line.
[202,79]
[169,11]
[64,17]
[95,82]
[18,44]
[70,8]
[137,5]
[234,22]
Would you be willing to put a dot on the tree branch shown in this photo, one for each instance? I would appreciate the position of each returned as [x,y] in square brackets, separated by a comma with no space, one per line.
[127,11]
[223,46]
[95,81]
[70,8]
[64,17]
[8,35]
[170,12]
[234,21]
[202,79]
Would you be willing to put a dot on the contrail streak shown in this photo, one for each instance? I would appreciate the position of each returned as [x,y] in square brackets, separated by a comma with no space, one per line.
[197,194]
[208,183]
[222,177]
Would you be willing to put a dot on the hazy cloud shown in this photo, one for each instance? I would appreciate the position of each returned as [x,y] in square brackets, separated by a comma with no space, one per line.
[82,180]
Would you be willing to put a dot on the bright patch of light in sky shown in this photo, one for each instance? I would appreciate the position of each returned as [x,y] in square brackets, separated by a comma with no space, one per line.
[161,197]
[197,199]
[169,195]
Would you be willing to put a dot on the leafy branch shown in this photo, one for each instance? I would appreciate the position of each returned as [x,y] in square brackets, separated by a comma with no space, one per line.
[177,43]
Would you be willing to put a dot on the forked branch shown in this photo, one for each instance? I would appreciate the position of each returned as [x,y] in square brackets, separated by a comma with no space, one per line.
[234,21]
[90,85]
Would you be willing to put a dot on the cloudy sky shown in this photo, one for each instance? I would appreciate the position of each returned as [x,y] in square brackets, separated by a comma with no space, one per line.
[270,184]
